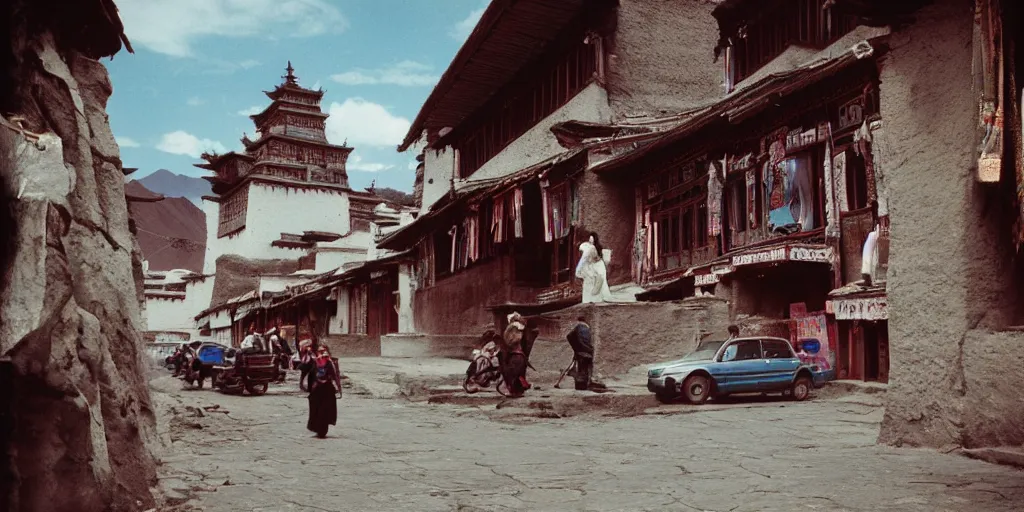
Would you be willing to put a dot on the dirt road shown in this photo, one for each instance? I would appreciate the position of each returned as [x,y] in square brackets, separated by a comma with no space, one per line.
[231,453]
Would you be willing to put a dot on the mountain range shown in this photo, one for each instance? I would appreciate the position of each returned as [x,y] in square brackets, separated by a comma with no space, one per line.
[171,232]
[169,184]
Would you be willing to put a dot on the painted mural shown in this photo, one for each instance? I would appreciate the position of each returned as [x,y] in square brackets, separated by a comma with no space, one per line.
[791,196]
[812,341]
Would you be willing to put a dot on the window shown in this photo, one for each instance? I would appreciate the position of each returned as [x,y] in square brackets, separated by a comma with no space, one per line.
[794,195]
[782,23]
[486,237]
[736,204]
[776,349]
[680,221]
[442,254]
[563,263]
[512,112]
[745,350]
[856,182]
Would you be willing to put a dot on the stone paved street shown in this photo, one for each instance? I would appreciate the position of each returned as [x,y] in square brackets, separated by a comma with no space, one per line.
[254,454]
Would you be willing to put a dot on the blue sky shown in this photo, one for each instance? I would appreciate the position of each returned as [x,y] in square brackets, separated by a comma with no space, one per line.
[201,65]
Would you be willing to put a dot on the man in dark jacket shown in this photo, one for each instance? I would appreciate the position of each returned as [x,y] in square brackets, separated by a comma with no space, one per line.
[582,344]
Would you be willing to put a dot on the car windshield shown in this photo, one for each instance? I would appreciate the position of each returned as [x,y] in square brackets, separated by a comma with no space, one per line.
[705,351]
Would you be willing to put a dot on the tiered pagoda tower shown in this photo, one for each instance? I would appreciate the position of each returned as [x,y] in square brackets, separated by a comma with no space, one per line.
[288,180]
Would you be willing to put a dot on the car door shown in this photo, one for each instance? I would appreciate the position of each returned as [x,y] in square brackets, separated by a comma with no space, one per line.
[741,367]
[782,364]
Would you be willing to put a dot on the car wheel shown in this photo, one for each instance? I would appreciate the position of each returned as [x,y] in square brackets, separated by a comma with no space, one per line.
[801,389]
[697,388]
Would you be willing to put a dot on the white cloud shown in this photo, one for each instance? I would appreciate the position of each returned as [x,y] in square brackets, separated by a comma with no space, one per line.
[364,123]
[195,101]
[406,74]
[465,27]
[184,143]
[316,85]
[356,163]
[173,27]
[251,111]
[413,165]
[248,64]
[127,142]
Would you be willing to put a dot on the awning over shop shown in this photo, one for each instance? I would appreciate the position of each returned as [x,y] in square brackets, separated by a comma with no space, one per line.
[711,273]
[856,302]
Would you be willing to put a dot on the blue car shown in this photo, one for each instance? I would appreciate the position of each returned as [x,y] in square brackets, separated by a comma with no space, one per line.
[738,365]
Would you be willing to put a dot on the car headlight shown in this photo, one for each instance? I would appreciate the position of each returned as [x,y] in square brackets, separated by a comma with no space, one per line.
[655,373]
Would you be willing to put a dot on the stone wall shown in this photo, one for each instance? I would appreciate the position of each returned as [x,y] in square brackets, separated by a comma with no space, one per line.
[69,301]
[353,345]
[627,336]
[949,263]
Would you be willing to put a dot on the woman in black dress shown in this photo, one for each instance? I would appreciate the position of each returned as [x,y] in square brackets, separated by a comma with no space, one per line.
[324,390]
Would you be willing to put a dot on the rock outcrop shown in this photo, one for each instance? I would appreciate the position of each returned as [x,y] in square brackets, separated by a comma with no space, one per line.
[75,416]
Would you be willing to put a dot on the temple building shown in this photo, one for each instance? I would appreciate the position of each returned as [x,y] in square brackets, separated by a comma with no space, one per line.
[282,218]
[287,192]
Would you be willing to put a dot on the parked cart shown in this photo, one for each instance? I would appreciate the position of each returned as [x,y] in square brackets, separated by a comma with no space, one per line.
[251,373]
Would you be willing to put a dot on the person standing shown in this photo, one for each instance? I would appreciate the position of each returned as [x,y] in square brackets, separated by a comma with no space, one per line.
[593,269]
[324,392]
[252,343]
[512,356]
[582,344]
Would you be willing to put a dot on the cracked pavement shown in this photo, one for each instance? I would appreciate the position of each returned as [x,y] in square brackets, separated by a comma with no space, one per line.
[232,453]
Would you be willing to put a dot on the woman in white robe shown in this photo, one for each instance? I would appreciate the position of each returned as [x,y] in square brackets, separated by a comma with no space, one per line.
[593,269]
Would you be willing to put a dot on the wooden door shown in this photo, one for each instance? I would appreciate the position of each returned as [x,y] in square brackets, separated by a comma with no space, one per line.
[382,316]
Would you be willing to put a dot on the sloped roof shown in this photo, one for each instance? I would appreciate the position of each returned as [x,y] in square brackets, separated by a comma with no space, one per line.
[747,102]
[510,35]
[410,234]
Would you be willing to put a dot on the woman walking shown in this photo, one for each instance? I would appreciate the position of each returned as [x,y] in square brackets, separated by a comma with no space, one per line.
[324,391]
[593,269]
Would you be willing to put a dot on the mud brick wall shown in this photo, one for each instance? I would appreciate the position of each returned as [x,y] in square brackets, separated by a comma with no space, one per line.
[353,345]
[951,382]
[457,304]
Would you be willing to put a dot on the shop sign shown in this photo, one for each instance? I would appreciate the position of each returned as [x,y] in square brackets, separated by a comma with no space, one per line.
[871,309]
[706,279]
[811,254]
[721,270]
[376,274]
[768,256]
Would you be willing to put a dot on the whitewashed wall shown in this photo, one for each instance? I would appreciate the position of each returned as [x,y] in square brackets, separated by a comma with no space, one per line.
[165,314]
[220,320]
[438,168]
[198,295]
[406,288]
[273,210]
[353,248]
